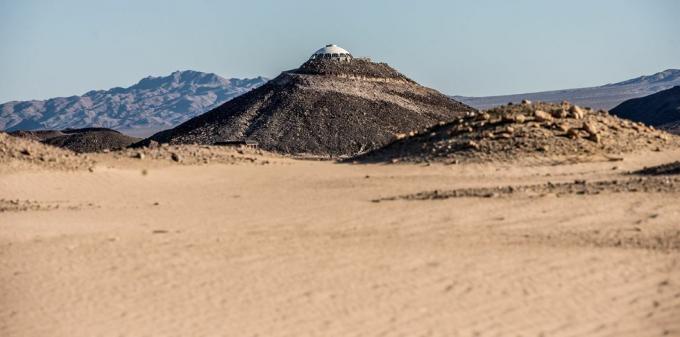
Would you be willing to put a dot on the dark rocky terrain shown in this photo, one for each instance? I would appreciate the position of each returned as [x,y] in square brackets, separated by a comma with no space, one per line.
[602,97]
[81,140]
[153,104]
[665,169]
[531,130]
[322,108]
[661,110]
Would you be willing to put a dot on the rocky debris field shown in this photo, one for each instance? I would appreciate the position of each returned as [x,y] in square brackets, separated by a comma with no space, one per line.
[18,205]
[665,169]
[18,152]
[192,154]
[578,187]
[527,130]
[325,108]
[81,140]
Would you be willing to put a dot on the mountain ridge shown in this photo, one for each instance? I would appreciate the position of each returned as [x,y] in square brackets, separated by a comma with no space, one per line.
[152,104]
[606,96]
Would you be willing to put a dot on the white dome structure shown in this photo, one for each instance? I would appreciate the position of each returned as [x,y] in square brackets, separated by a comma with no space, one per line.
[332,52]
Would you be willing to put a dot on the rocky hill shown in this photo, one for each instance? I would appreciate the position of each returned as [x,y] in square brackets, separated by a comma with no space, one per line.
[153,104]
[322,108]
[80,140]
[661,110]
[602,97]
[527,131]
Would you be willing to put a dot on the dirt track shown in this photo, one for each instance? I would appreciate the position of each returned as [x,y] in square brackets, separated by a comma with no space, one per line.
[297,248]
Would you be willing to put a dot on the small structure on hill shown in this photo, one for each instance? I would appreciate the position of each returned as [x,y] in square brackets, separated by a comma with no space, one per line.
[332,52]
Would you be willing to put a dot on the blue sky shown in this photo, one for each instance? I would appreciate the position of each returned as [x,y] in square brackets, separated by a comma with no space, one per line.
[66,47]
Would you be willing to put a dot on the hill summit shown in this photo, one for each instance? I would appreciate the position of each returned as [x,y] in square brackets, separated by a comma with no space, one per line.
[325,107]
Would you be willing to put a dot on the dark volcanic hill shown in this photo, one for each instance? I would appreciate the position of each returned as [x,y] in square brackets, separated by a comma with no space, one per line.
[602,97]
[661,110]
[80,140]
[322,108]
[153,104]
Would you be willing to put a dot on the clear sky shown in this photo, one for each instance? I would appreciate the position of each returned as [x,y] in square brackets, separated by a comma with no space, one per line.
[65,47]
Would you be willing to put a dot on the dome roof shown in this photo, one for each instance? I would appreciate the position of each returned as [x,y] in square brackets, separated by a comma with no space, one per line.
[332,51]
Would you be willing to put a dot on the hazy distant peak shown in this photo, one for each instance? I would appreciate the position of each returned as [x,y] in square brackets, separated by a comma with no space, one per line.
[663,76]
[151,104]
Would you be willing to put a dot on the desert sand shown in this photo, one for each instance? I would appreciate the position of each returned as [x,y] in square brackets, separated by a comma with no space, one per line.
[317,248]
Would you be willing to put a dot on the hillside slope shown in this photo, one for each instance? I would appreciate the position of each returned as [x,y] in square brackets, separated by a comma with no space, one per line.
[661,110]
[322,108]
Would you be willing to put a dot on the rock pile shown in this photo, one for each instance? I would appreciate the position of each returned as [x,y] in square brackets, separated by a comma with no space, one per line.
[16,151]
[527,130]
[324,108]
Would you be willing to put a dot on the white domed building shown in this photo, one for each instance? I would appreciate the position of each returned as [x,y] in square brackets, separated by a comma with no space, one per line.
[332,52]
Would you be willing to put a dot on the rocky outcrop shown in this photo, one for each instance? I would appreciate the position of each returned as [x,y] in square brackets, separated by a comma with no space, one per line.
[529,130]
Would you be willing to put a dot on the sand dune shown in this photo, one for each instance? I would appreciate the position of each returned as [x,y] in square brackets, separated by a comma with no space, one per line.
[298,248]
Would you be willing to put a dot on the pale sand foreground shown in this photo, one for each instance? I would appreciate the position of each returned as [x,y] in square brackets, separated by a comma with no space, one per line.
[297,248]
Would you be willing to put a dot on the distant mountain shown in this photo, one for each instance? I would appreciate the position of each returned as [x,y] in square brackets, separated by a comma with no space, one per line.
[602,97]
[153,104]
[661,110]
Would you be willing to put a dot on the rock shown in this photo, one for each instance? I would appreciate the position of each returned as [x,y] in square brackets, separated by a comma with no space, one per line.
[510,130]
[526,102]
[520,119]
[542,116]
[472,144]
[560,113]
[484,116]
[139,155]
[573,133]
[595,137]
[176,157]
[577,112]
[400,136]
[564,127]
[26,152]
[590,128]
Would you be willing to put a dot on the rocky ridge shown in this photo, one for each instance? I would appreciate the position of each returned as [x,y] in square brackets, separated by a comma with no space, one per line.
[529,130]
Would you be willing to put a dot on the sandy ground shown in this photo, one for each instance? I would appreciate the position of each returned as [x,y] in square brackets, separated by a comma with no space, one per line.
[298,248]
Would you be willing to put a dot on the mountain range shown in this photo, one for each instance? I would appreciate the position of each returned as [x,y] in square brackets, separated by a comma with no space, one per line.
[602,97]
[153,104]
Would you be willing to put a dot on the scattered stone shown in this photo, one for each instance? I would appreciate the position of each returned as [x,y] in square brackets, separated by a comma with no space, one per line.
[176,157]
[542,116]
[577,112]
